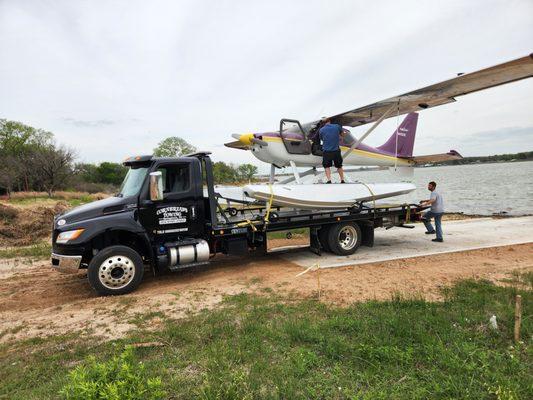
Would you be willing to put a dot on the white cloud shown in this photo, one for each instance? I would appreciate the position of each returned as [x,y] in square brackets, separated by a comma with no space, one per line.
[114,78]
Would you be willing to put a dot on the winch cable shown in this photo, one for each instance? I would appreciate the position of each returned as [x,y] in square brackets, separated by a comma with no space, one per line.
[373,197]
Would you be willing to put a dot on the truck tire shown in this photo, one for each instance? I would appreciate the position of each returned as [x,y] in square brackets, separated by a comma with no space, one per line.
[344,238]
[115,270]
[323,235]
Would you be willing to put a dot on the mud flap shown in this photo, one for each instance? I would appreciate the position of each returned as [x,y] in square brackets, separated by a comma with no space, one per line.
[314,241]
[236,246]
[367,229]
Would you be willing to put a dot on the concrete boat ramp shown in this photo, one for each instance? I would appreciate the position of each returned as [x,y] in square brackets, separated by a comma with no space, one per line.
[398,243]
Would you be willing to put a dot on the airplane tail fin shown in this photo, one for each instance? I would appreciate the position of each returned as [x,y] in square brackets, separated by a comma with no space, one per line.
[406,138]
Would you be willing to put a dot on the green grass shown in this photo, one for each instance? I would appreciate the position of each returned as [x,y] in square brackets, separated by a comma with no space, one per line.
[39,250]
[267,347]
[72,202]
[524,279]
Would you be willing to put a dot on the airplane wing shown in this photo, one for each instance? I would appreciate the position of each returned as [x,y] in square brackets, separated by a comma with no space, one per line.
[432,158]
[440,93]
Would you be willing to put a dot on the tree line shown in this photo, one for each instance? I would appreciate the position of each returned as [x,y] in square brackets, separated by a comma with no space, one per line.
[522,156]
[31,160]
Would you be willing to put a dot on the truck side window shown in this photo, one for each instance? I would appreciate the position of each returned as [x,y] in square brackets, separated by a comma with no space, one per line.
[176,178]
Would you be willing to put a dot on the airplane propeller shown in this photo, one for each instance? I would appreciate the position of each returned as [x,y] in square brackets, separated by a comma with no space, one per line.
[245,141]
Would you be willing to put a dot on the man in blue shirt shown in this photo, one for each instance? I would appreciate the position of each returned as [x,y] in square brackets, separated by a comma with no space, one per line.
[330,135]
[437,209]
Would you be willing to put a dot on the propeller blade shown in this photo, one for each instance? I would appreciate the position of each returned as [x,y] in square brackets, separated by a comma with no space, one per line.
[236,136]
[237,145]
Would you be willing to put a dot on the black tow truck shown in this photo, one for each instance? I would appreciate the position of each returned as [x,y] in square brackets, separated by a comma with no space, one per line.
[168,216]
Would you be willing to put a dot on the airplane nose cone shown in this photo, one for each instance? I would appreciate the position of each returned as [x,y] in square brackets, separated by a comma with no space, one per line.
[245,138]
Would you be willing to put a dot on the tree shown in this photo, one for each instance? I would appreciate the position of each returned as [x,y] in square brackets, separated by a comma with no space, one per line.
[224,173]
[52,166]
[113,173]
[21,141]
[173,146]
[86,172]
[9,173]
[246,171]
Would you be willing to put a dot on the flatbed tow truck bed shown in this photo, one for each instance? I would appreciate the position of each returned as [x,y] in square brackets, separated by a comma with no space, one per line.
[260,220]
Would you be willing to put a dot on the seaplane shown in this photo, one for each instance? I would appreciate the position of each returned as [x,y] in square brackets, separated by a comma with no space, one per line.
[297,144]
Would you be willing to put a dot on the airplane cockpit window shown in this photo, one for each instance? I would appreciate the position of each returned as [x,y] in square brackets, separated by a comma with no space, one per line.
[293,131]
[347,139]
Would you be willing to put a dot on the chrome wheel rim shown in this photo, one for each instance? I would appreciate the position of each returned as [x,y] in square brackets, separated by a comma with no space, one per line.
[347,237]
[116,272]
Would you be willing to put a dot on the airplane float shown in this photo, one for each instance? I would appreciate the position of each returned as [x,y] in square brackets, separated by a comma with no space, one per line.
[298,145]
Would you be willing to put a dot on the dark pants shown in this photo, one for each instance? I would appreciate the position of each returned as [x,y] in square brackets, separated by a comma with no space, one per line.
[427,221]
[330,158]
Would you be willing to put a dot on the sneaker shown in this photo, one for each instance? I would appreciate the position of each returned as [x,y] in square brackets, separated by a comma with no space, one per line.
[343,182]
[437,240]
[430,233]
[328,182]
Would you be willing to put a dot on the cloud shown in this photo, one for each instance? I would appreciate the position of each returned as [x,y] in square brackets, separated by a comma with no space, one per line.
[512,133]
[130,73]
[89,123]
[513,139]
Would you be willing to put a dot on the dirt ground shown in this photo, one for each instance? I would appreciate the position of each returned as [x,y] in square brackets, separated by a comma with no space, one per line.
[22,226]
[38,301]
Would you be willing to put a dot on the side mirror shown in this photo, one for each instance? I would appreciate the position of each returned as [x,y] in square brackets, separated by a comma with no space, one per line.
[156,186]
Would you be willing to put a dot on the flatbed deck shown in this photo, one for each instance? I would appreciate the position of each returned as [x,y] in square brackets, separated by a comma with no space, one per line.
[255,223]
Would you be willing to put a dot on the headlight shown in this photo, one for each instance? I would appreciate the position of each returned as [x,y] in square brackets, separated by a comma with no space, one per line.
[64,237]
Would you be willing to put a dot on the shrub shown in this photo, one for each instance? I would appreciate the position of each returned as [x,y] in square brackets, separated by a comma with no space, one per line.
[8,214]
[121,378]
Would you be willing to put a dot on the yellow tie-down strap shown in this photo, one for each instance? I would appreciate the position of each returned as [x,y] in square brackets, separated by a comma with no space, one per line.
[267,214]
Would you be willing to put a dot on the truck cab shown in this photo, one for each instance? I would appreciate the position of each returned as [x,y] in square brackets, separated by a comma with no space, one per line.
[157,218]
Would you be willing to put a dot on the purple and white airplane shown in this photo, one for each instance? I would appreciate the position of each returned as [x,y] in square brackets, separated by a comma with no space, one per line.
[297,144]
[291,145]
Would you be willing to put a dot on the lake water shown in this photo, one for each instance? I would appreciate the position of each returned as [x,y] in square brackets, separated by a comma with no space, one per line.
[482,189]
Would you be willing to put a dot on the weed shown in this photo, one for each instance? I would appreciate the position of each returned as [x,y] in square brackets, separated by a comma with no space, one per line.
[118,378]
[39,251]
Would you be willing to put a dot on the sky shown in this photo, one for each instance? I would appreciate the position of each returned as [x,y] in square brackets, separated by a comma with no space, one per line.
[111,79]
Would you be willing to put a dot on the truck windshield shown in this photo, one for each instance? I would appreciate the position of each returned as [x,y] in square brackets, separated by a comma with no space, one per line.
[132,182]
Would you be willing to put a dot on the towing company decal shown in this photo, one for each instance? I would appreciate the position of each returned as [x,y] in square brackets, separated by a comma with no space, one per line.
[172,215]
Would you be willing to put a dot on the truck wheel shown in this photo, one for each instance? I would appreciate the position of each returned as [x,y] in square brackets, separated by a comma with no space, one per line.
[323,235]
[115,270]
[344,238]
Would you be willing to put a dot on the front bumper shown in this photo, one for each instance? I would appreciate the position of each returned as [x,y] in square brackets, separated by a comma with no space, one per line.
[66,264]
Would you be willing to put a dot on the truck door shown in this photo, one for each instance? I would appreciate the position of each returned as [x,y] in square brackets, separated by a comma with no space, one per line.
[180,213]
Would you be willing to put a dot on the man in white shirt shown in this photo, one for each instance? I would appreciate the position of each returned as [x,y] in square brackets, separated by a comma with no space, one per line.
[437,209]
